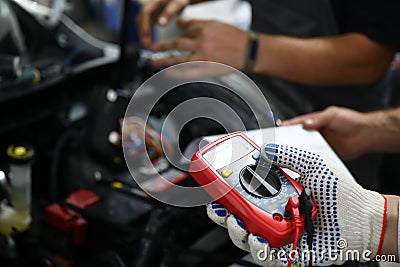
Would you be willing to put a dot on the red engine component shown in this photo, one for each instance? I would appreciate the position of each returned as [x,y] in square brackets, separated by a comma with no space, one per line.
[68,220]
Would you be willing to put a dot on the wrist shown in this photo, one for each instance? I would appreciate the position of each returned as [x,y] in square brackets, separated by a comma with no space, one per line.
[365,223]
[252,51]
[390,240]
[375,210]
[369,133]
[383,130]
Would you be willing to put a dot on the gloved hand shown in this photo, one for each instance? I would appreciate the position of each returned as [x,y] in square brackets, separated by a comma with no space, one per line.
[350,218]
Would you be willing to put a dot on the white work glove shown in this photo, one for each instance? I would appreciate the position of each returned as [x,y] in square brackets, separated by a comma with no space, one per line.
[349,219]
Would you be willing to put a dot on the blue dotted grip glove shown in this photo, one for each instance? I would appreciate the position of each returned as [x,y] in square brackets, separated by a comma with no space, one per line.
[350,221]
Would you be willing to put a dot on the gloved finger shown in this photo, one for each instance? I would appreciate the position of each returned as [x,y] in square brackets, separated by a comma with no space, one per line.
[262,253]
[293,158]
[217,213]
[237,232]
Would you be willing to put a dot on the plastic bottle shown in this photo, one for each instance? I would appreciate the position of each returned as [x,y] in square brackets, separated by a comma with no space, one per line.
[18,217]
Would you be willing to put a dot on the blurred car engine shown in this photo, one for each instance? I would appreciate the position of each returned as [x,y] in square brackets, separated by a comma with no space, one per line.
[67,197]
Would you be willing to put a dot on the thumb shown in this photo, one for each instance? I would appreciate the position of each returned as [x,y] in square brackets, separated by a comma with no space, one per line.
[313,121]
[293,158]
[319,120]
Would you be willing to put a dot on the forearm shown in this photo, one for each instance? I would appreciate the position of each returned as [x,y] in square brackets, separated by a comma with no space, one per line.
[383,130]
[389,246]
[340,60]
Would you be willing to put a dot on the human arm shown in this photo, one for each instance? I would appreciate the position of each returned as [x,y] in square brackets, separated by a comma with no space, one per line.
[390,246]
[345,59]
[352,133]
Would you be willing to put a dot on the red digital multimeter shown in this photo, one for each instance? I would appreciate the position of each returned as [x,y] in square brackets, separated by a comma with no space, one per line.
[234,174]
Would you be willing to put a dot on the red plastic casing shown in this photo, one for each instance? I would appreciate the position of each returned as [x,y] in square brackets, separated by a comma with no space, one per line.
[69,220]
[257,221]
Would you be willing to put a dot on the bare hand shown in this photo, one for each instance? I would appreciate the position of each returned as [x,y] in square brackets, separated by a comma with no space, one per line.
[157,11]
[208,40]
[345,130]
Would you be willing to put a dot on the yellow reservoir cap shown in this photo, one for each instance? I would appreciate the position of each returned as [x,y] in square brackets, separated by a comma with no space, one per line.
[20,152]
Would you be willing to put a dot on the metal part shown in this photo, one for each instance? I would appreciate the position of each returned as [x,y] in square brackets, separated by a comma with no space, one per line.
[9,25]
[47,16]
[4,187]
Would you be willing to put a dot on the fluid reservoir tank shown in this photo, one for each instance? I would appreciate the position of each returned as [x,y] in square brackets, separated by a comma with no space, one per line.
[18,215]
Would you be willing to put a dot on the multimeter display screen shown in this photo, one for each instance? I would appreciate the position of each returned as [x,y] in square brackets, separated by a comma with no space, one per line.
[227,152]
